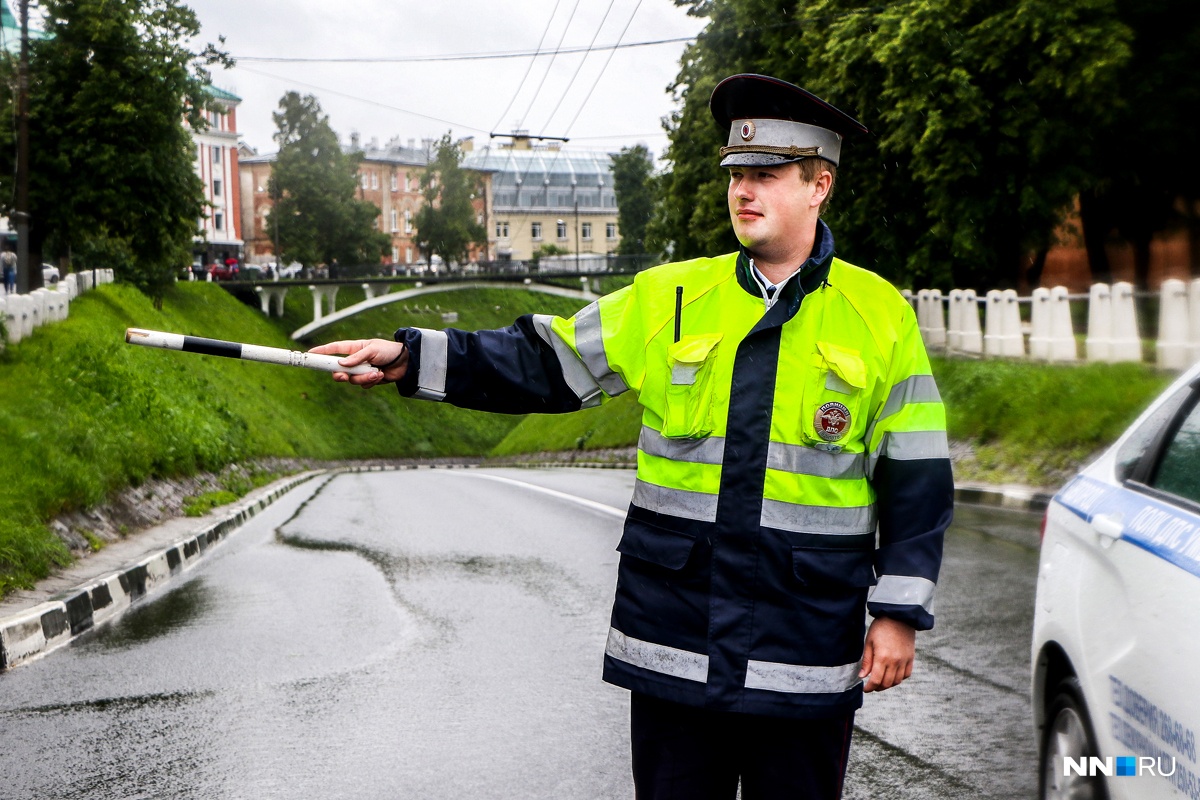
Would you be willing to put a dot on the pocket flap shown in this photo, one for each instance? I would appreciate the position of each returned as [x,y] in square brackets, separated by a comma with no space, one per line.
[656,544]
[847,364]
[692,349]
[822,566]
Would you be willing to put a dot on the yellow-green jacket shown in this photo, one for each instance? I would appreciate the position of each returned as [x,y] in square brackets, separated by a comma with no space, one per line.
[792,468]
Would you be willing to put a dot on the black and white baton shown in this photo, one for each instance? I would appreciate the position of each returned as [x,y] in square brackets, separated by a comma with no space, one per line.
[247,352]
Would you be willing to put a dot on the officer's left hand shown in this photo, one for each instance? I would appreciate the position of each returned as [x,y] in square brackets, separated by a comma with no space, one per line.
[887,654]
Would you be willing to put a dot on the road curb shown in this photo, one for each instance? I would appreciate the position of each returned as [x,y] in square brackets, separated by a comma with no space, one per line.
[32,633]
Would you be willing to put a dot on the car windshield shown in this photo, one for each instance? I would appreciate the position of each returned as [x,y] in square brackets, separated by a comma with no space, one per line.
[1134,447]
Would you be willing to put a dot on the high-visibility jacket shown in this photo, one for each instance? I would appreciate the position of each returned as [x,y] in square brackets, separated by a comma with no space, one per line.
[793,468]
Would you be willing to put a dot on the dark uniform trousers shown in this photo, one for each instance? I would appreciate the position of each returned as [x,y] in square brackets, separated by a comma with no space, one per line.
[687,753]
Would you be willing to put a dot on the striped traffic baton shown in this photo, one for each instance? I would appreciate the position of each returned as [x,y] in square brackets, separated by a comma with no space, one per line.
[247,352]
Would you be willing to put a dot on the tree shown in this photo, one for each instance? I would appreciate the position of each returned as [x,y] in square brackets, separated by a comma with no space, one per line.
[981,114]
[633,176]
[446,223]
[111,164]
[316,216]
[1132,195]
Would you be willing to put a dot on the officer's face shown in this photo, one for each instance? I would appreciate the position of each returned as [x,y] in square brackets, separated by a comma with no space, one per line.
[773,206]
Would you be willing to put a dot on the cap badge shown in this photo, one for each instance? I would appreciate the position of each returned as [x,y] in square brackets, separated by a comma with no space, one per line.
[747,131]
[832,421]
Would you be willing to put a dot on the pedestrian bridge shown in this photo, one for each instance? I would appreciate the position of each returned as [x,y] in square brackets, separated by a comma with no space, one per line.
[378,295]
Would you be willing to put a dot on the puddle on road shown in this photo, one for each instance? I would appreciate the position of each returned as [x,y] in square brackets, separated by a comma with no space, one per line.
[175,610]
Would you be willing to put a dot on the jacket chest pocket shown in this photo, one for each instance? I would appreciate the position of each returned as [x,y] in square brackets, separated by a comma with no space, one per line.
[688,412]
[834,393]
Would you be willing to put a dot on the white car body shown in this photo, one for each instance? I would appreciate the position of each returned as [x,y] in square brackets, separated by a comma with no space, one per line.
[1117,617]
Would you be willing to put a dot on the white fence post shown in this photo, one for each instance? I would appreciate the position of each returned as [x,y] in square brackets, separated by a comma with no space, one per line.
[1126,343]
[1013,343]
[993,324]
[937,320]
[954,326]
[1099,331]
[1194,318]
[1039,324]
[1062,330]
[1172,348]
[972,338]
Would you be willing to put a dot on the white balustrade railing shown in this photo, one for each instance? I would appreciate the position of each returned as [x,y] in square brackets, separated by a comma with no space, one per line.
[1113,333]
[22,313]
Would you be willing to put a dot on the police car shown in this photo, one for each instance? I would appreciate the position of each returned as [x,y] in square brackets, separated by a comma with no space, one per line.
[1116,633]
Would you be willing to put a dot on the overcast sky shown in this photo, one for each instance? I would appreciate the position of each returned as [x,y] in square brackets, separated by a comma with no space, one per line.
[624,89]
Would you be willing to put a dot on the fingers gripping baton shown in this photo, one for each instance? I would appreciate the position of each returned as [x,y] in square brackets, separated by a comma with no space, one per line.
[247,352]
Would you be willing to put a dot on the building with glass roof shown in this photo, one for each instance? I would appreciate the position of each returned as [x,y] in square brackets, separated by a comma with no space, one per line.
[548,195]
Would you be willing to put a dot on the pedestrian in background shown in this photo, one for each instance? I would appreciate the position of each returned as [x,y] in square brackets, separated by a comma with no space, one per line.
[8,261]
[793,470]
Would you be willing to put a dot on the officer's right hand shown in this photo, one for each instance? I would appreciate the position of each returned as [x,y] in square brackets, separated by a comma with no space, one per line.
[390,357]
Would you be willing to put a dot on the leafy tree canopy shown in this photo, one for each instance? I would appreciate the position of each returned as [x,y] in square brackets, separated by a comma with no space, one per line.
[984,117]
[113,89]
[446,223]
[633,179]
[316,215]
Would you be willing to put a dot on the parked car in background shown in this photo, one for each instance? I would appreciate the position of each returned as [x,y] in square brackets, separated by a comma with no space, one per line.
[224,272]
[292,270]
[50,275]
[1116,632]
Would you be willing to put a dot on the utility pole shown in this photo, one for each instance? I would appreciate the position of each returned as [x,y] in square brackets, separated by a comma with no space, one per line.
[21,212]
[577,269]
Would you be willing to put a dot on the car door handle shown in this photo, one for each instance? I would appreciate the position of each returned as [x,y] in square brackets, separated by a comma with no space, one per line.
[1108,528]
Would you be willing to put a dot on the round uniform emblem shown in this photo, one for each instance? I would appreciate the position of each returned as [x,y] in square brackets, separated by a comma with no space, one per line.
[832,421]
[747,131]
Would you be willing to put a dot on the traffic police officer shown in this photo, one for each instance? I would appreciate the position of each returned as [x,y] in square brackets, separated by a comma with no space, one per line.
[793,470]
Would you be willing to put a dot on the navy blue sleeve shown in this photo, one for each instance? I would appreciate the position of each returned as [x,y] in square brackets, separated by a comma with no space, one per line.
[511,370]
[915,503]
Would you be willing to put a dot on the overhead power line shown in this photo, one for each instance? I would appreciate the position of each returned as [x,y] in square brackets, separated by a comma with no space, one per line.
[483,56]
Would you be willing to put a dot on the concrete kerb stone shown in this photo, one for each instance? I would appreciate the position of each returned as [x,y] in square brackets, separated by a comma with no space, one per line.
[37,631]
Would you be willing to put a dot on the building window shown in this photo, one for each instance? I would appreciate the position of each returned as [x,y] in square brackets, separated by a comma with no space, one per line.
[408,255]
[395,219]
[374,180]
[535,228]
[218,221]
[587,230]
[216,155]
[216,187]
[408,222]
[407,182]
[610,230]
[395,181]
[365,180]
[395,255]
[501,230]
[561,229]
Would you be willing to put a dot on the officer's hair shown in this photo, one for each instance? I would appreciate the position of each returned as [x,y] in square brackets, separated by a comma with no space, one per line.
[811,169]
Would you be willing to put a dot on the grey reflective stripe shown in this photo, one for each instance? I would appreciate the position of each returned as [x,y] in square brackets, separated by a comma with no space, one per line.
[589,341]
[810,461]
[684,374]
[676,502]
[709,450]
[913,389]
[829,520]
[913,445]
[657,657]
[435,350]
[903,590]
[800,679]
[575,373]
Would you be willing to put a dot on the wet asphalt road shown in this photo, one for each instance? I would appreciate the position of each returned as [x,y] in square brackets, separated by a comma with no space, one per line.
[439,634]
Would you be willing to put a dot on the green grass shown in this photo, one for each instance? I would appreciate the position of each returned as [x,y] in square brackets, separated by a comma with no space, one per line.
[83,415]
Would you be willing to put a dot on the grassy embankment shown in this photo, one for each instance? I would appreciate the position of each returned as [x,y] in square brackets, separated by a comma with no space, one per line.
[83,415]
